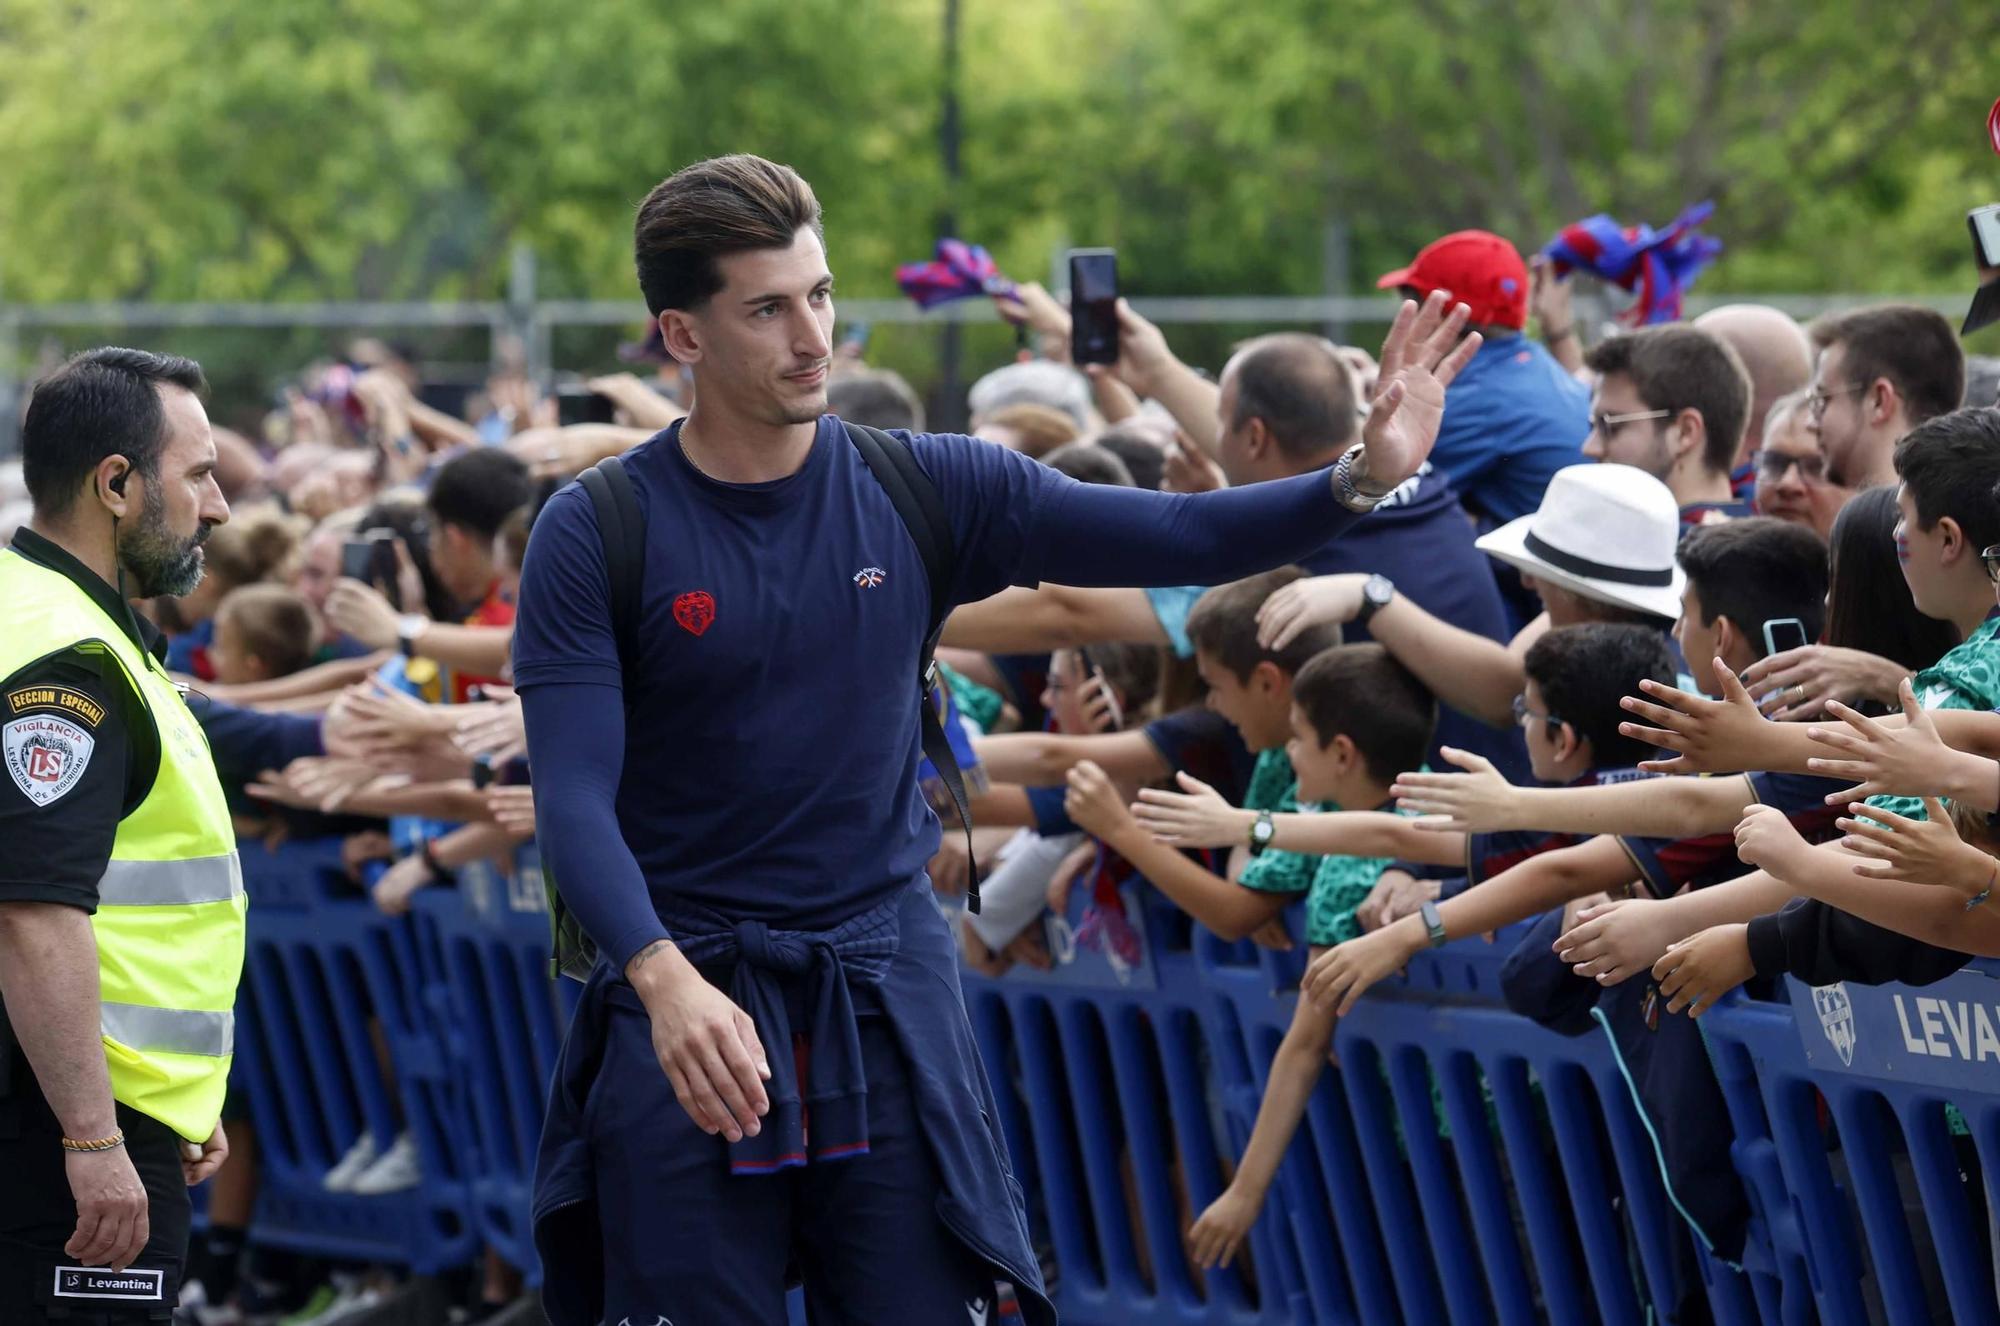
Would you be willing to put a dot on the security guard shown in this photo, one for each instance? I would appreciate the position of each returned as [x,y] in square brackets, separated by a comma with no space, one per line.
[121,901]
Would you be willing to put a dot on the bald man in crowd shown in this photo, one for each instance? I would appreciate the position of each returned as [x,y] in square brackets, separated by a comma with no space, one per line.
[1778,355]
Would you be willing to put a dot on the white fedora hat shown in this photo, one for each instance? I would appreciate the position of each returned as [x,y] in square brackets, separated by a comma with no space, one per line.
[1607,532]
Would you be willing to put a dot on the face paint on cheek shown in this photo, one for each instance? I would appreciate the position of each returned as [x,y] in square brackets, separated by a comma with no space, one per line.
[1902,548]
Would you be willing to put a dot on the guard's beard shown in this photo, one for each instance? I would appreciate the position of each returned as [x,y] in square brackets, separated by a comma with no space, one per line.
[156,559]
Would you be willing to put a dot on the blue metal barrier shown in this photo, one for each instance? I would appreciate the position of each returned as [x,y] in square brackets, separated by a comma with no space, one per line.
[497,1013]
[1457,1163]
[324,976]
[1842,1110]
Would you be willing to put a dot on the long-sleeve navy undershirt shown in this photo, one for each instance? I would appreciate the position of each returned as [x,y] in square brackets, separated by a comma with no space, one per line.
[772,738]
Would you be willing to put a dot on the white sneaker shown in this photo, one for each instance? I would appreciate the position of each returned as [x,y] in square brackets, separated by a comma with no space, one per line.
[354,1301]
[396,1171]
[359,1157]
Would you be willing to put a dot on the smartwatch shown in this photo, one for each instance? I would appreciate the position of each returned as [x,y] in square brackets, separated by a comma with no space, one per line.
[1261,833]
[1433,922]
[1376,592]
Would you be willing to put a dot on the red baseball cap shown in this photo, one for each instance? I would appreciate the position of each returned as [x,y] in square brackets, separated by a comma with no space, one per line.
[1480,269]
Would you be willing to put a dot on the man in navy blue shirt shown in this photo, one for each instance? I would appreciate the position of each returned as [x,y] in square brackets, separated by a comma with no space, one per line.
[734,814]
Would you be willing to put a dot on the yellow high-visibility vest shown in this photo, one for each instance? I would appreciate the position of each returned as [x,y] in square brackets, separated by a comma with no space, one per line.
[170,913]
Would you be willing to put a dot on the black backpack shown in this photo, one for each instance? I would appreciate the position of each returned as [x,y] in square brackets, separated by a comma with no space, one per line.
[624,533]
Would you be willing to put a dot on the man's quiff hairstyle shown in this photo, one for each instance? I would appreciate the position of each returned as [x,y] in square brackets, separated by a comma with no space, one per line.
[725,205]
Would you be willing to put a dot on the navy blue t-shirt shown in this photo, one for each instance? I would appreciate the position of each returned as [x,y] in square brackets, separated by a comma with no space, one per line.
[770,724]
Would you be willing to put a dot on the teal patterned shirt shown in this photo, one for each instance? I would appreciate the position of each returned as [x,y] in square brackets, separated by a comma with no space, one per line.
[1275,788]
[1967,677]
[1341,884]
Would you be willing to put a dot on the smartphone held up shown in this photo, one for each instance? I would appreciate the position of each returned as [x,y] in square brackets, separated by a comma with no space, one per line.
[1093,306]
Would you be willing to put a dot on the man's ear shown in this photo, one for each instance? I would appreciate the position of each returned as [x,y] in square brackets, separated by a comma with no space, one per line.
[109,482]
[1880,401]
[680,335]
[1693,432]
[1257,439]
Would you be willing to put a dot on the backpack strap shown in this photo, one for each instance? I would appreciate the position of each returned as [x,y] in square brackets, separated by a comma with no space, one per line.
[916,500]
[623,531]
[572,952]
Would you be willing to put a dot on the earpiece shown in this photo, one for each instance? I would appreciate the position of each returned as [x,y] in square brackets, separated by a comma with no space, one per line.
[118,484]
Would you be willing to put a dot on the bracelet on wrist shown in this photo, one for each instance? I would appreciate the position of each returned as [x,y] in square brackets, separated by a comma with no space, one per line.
[1553,334]
[1992,877]
[111,1143]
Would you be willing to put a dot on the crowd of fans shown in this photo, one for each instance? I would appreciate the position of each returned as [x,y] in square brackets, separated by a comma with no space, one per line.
[1733,546]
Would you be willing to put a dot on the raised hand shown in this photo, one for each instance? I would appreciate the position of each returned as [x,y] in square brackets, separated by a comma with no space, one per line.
[1197,816]
[1707,736]
[1293,608]
[1421,356]
[1925,851]
[1882,760]
[1480,800]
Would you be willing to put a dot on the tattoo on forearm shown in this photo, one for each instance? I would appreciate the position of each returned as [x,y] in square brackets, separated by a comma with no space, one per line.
[639,958]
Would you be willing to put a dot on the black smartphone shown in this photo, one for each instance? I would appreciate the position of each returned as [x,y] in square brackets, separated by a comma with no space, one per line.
[1783,633]
[1093,306]
[581,405]
[370,558]
[482,772]
[357,560]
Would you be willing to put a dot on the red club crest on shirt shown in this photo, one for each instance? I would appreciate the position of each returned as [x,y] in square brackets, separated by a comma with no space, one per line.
[695,611]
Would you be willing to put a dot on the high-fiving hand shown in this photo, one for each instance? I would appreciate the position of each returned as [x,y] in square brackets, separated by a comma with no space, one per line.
[1420,357]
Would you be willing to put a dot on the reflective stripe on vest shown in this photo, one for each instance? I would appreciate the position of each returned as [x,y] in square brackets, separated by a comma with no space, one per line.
[170,883]
[170,1030]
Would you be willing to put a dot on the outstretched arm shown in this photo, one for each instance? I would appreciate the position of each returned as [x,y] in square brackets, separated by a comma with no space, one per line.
[1022,621]
[1093,535]
[1344,972]
[1199,816]
[1481,800]
[1472,674]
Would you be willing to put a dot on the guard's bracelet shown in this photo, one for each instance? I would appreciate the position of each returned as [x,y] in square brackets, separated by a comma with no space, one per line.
[111,1143]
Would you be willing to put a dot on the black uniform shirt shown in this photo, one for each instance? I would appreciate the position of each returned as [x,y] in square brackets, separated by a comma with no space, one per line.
[77,752]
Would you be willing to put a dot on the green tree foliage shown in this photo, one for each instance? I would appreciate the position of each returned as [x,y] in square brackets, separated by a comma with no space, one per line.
[285,149]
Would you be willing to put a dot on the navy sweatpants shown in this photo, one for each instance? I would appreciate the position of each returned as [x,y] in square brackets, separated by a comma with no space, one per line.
[687,1241]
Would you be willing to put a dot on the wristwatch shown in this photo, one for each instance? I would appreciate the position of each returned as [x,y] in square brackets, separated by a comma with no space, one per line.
[409,626]
[1375,595]
[1344,490]
[1433,922]
[1262,830]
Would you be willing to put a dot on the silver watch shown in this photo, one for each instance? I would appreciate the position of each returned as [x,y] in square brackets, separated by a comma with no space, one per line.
[1344,490]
